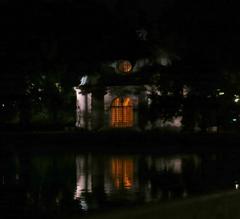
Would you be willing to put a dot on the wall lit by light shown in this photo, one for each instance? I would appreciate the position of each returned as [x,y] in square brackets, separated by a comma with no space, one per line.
[83,108]
[236,98]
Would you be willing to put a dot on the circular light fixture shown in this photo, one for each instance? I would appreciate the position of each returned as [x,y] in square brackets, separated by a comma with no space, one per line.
[124,66]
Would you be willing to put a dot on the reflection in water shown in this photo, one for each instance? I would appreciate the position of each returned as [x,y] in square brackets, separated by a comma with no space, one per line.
[122,173]
[168,164]
[117,174]
[52,184]
[162,177]
[84,179]
[151,177]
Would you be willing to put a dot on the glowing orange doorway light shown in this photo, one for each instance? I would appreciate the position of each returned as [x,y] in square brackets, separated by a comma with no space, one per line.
[122,112]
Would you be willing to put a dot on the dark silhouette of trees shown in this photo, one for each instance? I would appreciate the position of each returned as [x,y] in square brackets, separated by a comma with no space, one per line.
[62,40]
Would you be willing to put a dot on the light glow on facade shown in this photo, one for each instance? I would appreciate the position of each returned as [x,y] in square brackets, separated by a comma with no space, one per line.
[236,98]
[83,80]
[83,108]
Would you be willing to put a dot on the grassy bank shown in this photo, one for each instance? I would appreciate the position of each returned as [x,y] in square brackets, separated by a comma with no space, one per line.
[217,206]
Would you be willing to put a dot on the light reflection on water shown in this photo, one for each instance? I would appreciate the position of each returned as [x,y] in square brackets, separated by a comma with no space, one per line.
[122,178]
[84,182]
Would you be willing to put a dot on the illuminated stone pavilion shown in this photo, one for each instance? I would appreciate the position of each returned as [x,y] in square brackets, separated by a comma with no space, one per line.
[114,100]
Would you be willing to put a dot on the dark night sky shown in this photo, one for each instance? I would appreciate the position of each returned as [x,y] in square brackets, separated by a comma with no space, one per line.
[73,31]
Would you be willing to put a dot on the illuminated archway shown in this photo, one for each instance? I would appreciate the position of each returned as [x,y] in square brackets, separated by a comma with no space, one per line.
[122,112]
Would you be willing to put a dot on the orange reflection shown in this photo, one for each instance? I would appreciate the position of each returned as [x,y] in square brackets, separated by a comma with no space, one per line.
[122,173]
[122,112]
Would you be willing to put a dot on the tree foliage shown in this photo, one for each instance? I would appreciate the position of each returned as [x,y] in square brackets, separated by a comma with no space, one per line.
[64,39]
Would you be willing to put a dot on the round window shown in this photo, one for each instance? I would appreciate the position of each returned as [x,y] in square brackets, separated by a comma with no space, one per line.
[124,66]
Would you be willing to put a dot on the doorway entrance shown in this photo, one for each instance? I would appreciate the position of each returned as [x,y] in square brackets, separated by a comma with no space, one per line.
[122,112]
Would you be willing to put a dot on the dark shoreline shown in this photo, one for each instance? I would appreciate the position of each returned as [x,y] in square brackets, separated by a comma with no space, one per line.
[221,205]
[123,141]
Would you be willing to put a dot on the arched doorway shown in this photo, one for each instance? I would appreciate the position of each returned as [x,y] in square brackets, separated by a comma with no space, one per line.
[122,112]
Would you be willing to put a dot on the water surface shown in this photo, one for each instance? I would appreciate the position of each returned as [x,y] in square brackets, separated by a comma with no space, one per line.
[67,182]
